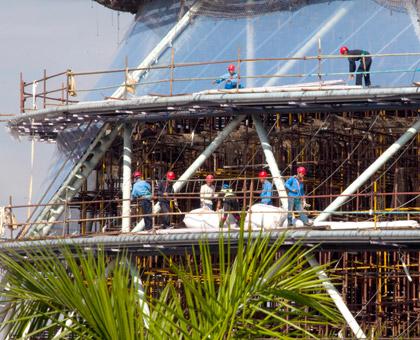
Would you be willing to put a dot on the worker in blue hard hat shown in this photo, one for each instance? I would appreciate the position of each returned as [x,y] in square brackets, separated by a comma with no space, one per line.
[229,202]
[231,79]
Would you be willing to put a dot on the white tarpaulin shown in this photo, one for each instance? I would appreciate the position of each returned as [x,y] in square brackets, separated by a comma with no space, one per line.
[207,219]
[265,216]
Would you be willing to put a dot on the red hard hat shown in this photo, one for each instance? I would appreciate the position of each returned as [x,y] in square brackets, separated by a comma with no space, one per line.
[301,170]
[343,49]
[170,175]
[210,178]
[263,174]
[231,67]
[136,174]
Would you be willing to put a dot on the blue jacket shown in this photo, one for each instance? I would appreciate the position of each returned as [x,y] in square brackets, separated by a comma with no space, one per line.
[141,189]
[230,80]
[294,187]
[266,193]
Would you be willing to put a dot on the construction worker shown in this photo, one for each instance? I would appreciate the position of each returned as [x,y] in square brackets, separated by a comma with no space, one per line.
[165,190]
[208,193]
[267,188]
[296,201]
[143,192]
[364,65]
[231,79]
[229,202]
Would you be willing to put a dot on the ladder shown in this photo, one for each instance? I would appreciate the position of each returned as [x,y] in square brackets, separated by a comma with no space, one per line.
[74,181]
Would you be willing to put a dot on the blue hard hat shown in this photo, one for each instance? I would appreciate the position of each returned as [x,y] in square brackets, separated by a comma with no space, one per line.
[225,186]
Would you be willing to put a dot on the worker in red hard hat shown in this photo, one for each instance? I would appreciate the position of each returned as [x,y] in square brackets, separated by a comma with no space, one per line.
[143,192]
[364,64]
[296,199]
[231,79]
[267,188]
[208,193]
[165,192]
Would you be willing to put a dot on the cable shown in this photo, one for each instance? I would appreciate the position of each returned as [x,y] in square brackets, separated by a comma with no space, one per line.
[308,143]
[348,158]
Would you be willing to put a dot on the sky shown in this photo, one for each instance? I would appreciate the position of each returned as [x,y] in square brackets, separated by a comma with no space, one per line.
[55,35]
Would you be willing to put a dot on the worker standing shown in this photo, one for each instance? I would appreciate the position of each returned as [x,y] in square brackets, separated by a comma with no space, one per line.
[229,202]
[143,192]
[267,188]
[165,190]
[364,65]
[208,193]
[231,79]
[296,201]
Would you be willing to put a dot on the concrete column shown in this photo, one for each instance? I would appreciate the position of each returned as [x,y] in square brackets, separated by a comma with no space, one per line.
[351,189]
[207,152]
[126,185]
[272,164]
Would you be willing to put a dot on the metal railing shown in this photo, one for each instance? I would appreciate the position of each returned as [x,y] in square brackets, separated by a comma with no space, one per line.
[105,215]
[64,84]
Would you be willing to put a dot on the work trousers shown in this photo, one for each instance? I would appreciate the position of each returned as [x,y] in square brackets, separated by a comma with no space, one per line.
[361,68]
[295,204]
[165,208]
[146,208]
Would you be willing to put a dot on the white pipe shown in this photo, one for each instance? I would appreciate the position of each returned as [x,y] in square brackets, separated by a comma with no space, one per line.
[272,164]
[338,300]
[243,97]
[410,133]
[250,51]
[126,185]
[160,48]
[207,152]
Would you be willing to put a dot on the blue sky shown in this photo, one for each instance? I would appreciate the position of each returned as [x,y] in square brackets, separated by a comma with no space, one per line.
[56,35]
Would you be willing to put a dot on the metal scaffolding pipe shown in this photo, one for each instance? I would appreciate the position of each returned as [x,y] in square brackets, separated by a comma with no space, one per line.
[126,186]
[338,300]
[351,189]
[272,164]
[207,152]
[242,97]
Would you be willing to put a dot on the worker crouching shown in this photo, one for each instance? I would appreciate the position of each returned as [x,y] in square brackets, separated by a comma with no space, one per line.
[230,204]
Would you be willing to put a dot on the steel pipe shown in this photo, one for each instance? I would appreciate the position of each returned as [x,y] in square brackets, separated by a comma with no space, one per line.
[351,189]
[179,184]
[272,164]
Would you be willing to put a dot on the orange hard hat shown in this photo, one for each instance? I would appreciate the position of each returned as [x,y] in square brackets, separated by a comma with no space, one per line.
[344,49]
[231,68]
[301,170]
[170,175]
[210,178]
[263,174]
[136,174]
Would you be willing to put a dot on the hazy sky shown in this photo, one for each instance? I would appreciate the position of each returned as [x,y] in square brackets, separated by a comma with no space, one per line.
[56,35]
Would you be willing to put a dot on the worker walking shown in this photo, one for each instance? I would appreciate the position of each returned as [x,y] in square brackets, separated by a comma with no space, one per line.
[296,201]
[267,188]
[231,79]
[229,202]
[143,192]
[165,190]
[208,193]
[364,65]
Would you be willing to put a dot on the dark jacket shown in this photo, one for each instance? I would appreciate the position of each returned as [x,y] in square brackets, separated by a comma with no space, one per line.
[165,187]
[352,60]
